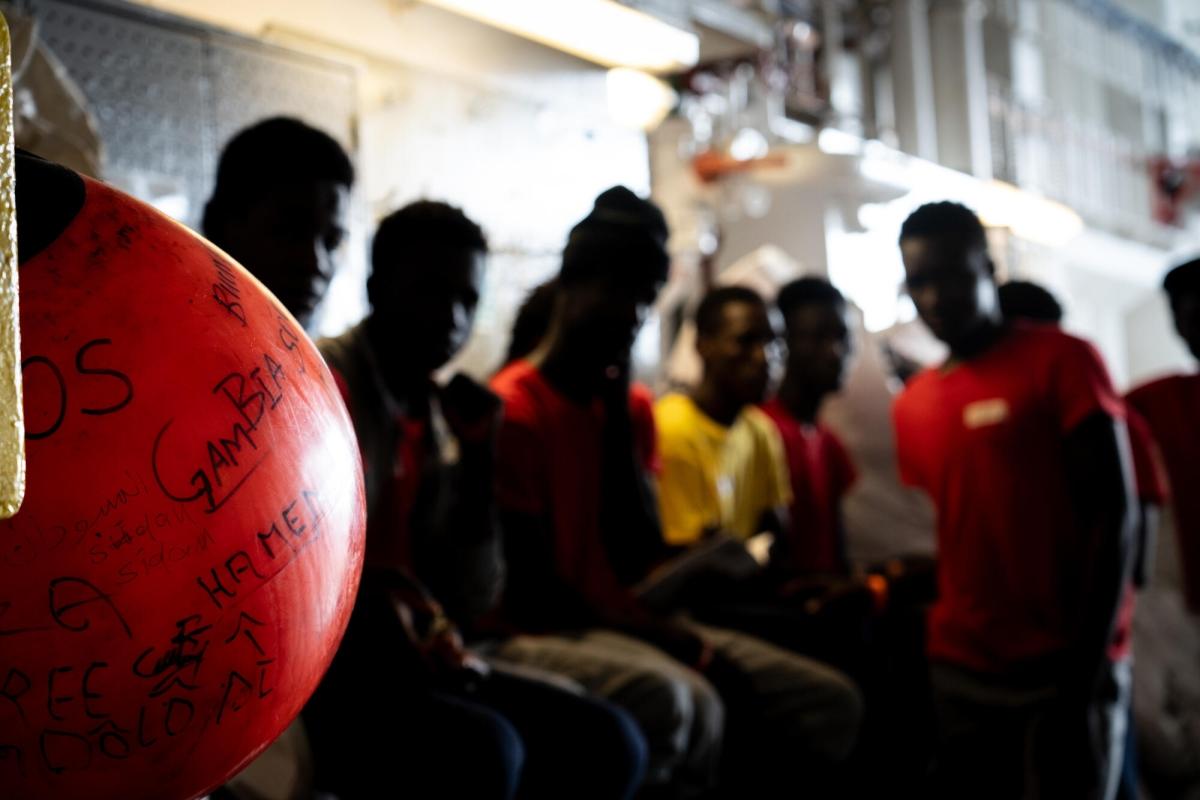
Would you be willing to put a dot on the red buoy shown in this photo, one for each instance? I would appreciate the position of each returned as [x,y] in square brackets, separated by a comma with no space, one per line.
[187,554]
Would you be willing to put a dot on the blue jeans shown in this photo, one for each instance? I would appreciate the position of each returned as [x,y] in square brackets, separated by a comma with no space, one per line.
[505,737]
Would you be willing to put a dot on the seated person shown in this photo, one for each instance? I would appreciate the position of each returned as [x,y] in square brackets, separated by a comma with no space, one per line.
[869,625]
[531,321]
[279,208]
[820,470]
[632,556]
[571,480]
[441,722]
[723,466]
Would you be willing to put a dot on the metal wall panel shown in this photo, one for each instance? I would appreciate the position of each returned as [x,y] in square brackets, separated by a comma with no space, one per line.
[167,93]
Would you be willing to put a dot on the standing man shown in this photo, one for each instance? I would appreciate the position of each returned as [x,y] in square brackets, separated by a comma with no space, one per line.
[1018,438]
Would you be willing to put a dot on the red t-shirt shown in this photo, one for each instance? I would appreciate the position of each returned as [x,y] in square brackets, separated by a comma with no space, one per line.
[1147,462]
[985,440]
[1171,408]
[641,412]
[549,458]
[821,473]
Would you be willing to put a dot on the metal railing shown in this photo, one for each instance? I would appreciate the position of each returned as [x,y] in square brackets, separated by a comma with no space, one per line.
[1113,93]
[1087,166]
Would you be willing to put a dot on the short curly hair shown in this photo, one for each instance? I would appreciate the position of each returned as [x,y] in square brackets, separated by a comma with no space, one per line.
[274,151]
[416,229]
[1183,281]
[943,219]
[709,312]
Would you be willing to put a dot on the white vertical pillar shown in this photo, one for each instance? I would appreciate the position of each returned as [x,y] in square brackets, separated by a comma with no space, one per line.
[912,79]
[843,69]
[960,86]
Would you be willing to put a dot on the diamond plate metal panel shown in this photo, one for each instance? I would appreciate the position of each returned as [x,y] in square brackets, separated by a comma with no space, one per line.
[252,80]
[147,85]
[168,93]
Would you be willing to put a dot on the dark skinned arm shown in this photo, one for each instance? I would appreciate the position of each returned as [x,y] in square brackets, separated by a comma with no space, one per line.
[1099,481]
[470,564]
[629,508]
[537,597]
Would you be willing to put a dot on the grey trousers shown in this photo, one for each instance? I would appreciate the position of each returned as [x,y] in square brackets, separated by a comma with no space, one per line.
[814,710]
[1029,743]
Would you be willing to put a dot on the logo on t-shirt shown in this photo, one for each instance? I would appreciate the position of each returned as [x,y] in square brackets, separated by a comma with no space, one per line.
[983,413]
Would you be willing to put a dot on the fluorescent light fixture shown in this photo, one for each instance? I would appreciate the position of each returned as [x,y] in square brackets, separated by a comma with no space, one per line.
[792,131]
[603,31]
[1025,215]
[637,99]
[839,143]
[1029,216]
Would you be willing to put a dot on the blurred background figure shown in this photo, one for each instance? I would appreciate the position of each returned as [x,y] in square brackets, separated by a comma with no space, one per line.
[1171,407]
[1028,301]
[1023,300]
[1167,632]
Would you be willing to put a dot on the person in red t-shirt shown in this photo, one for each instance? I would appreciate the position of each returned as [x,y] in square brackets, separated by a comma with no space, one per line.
[1167,696]
[1019,439]
[632,553]
[1171,408]
[818,346]
[568,485]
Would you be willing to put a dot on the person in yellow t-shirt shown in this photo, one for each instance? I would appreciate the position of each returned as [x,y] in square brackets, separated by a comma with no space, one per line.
[723,467]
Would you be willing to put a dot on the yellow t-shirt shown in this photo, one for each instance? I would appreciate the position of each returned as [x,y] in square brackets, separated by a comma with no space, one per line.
[716,476]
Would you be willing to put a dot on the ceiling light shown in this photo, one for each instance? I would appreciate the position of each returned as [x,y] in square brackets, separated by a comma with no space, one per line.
[1031,217]
[637,99]
[603,31]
